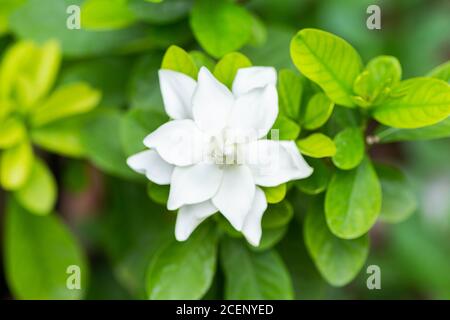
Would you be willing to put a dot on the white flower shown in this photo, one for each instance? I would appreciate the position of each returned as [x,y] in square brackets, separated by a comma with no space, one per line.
[213,153]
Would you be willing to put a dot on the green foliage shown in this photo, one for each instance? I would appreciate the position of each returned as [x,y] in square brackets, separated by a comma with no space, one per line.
[177,59]
[318,181]
[329,61]
[318,111]
[287,128]
[275,194]
[290,90]
[167,276]
[220,26]
[250,275]
[349,148]
[277,215]
[338,260]
[38,252]
[353,201]
[227,67]
[106,14]
[317,145]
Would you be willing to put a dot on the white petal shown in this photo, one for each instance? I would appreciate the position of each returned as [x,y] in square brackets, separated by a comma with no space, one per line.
[193,184]
[152,165]
[252,225]
[255,112]
[212,103]
[177,90]
[178,142]
[275,162]
[235,195]
[253,77]
[190,216]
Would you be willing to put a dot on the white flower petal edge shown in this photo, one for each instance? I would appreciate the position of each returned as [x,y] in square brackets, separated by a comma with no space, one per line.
[235,195]
[275,162]
[250,78]
[177,90]
[212,103]
[255,111]
[179,142]
[190,216]
[252,225]
[152,165]
[193,184]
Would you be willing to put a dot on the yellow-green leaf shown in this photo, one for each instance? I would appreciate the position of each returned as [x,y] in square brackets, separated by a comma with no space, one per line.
[415,103]
[318,110]
[329,61]
[290,90]
[12,131]
[15,165]
[106,14]
[38,194]
[177,59]
[317,145]
[349,148]
[227,67]
[275,194]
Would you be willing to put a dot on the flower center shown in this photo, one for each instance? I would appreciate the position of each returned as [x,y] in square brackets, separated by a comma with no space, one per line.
[224,150]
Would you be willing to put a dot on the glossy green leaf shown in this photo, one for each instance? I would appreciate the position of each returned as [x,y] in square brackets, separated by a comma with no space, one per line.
[318,181]
[227,67]
[106,14]
[318,110]
[338,260]
[436,131]
[39,252]
[353,201]
[202,60]
[317,145]
[160,12]
[12,131]
[63,137]
[349,148]
[177,59]
[15,165]
[399,200]
[287,128]
[275,194]
[168,279]
[290,90]
[329,61]
[158,193]
[441,72]
[253,275]
[38,194]
[270,237]
[374,83]
[220,26]
[415,103]
[277,215]
[69,100]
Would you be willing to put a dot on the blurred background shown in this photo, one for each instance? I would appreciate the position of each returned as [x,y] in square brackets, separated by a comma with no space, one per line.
[414,256]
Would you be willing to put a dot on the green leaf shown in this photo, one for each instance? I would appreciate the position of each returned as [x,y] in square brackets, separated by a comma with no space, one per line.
[12,131]
[136,125]
[329,61]
[106,14]
[399,200]
[349,148]
[353,201]
[318,110]
[38,252]
[38,195]
[277,215]
[202,60]
[69,100]
[318,181]
[441,72]
[177,59]
[253,275]
[415,103]
[167,279]
[374,83]
[220,26]
[158,193]
[290,91]
[227,67]
[436,131]
[15,165]
[275,194]
[270,237]
[160,12]
[63,137]
[338,260]
[101,141]
[287,128]
[317,145]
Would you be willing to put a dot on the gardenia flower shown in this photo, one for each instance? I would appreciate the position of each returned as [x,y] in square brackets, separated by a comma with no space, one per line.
[213,152]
